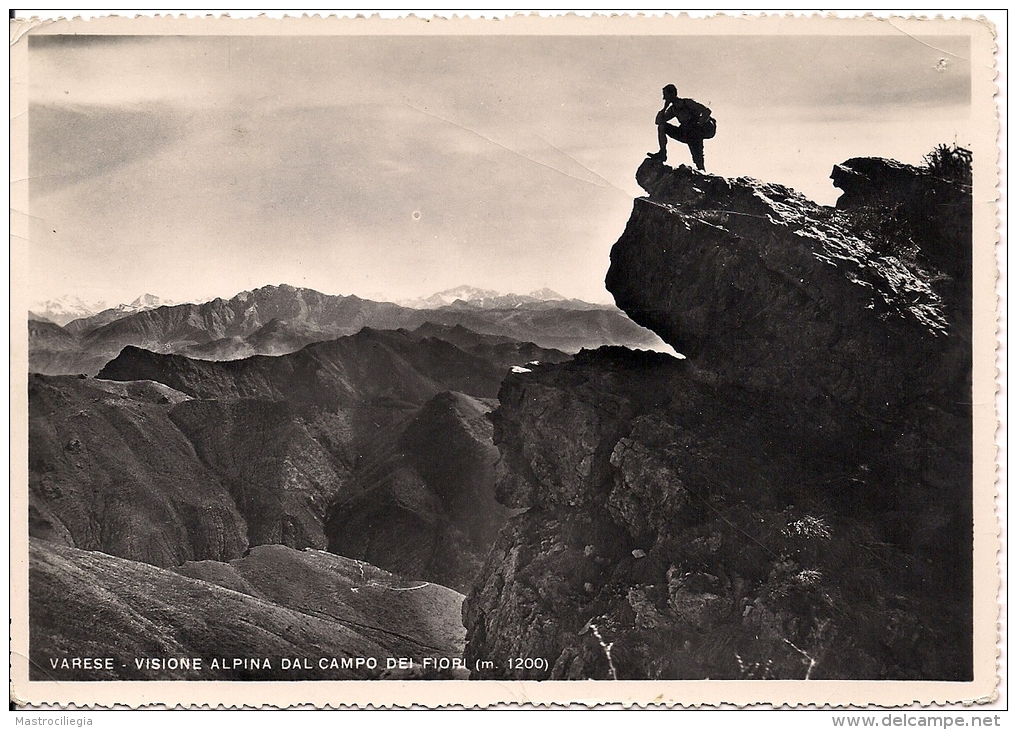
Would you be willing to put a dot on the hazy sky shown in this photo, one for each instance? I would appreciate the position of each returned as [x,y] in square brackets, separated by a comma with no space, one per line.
[394,167]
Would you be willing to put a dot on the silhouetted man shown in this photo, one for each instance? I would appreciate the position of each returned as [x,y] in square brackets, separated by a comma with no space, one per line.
[695,124]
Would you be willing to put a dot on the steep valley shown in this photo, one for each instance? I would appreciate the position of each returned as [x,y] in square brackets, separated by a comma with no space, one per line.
[376,447]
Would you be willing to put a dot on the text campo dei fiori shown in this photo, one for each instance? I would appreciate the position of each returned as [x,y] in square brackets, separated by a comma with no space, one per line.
[347,663]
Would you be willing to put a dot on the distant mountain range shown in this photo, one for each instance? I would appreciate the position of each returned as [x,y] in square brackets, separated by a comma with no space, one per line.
[65,310]
[486,299]
[276,320]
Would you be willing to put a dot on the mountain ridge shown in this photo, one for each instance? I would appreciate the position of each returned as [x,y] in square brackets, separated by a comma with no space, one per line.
[273,604]
[279,320]
[306,450]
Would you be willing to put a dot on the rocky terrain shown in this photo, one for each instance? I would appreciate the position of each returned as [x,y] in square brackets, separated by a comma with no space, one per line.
[280,320]
[165,459]
[793,501]
[291,475]
[376,447]
[298,613]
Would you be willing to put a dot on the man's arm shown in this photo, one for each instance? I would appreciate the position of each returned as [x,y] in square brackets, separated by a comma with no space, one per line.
[666,114]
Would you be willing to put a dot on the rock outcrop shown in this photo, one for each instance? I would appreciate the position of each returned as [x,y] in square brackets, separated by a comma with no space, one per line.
[928,207]
[792,501]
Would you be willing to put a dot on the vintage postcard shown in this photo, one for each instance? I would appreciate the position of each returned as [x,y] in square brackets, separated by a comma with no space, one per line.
[446,361]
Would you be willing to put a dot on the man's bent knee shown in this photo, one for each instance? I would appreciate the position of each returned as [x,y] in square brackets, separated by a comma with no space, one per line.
[669,129]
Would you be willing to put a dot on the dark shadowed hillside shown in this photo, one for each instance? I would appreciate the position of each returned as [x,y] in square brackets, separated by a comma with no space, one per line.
[380,435]
[504,351]
[425,506]
[282,465]
[791,502]
[55,350]
[109,471]
[371,365]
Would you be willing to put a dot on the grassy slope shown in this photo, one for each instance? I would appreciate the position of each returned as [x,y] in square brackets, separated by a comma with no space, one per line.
[313,605]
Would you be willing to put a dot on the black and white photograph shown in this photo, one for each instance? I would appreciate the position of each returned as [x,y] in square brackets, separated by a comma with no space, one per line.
[415,355]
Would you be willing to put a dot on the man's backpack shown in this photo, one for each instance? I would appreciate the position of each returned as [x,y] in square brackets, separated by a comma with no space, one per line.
[702,118]
[707,124]
[708,128]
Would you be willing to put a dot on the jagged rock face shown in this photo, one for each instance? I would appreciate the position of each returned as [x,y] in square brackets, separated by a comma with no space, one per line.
[770,291]
[701,538]
[792,501]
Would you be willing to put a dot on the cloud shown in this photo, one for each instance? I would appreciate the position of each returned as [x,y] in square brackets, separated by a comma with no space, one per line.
[72,143]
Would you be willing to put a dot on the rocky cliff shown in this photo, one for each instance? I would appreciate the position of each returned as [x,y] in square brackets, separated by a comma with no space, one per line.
[791,501]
